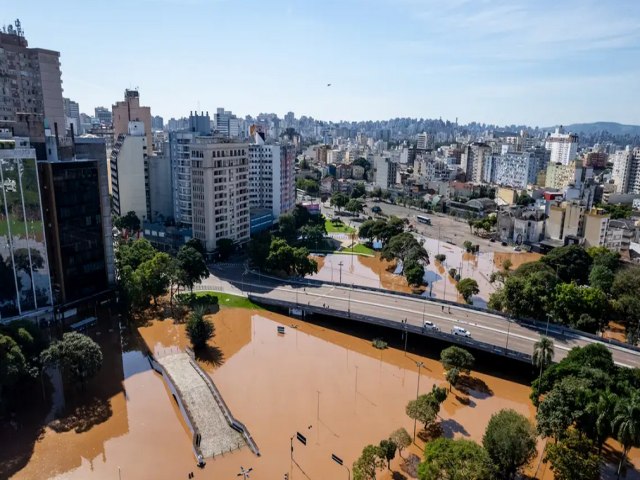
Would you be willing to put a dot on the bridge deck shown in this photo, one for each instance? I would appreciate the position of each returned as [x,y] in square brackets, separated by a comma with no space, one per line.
[217,436]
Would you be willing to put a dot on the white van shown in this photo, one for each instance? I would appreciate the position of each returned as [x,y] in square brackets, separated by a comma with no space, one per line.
[460,331]
[431,326]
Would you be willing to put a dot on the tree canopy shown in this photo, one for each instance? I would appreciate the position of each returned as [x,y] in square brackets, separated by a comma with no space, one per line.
[456,357]
[510,442]
[76,354]
[455,460]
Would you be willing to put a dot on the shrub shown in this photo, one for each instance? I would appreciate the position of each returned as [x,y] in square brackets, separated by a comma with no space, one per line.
[207,301]
[379,343]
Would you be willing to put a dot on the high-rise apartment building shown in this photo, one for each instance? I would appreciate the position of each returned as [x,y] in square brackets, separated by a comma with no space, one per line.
[226,123]
[130,110]
[515,170]
[104,116]
[626,170]
[31,83]
[385,171]
[219,191]
[271,176]
[473,161]
[563,146]
[72,116]
[130,173]
[25,287]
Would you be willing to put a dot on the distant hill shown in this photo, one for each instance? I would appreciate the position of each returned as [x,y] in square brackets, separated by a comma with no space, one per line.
[597,127]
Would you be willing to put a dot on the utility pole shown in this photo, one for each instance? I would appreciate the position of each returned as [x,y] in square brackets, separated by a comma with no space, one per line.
[340,265]
[419,365]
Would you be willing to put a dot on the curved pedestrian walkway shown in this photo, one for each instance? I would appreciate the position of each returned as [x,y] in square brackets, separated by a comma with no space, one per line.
[204,411]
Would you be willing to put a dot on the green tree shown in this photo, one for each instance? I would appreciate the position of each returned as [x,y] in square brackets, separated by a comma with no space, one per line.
[365,467]
[524,200]
[573,458]
[339,200]
[543,353]
[446,459]
[602,256]
[601,412]
[354,206]
[197,244]
[404,247]
[129,222]
[303,265]
[13,365]
[225,248]
[259,249]
[424,409]
[154,275]
[562,407]
[313,235]
[191,267]
[287,228]
[601,277]
[312,187]
[388,449]
[456,357]
[467,287]
[133,253]
[76,354]
[570,301]
[358,191]
[452,376]
[441,257]
[510,442]
[626,425]
[199,329]
[571,263]
[467,245]
[401,438]
[414,273]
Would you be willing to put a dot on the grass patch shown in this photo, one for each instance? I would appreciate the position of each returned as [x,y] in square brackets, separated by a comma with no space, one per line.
[363,249]
[232,301]
[337,227]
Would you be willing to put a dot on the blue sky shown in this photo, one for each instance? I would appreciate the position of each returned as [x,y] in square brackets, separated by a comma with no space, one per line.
[539,62]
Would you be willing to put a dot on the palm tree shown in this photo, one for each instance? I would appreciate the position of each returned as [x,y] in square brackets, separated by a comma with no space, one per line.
[601,412]
[626,425]
[543,353]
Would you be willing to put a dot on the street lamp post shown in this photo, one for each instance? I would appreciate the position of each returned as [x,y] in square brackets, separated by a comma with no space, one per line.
[547,330]
[340,265]
[419,365]
[508,330]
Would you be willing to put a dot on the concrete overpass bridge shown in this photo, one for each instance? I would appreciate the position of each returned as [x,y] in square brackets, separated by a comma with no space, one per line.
[491,332]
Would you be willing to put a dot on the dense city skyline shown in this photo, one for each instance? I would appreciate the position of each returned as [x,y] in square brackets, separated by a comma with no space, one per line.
[523,62]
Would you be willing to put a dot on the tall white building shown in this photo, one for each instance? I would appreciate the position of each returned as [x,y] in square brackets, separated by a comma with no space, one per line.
[423,141]
[271,177]
[130,173]
[385,171]
[626,170]
[563,146]
[226,123]
[219,191]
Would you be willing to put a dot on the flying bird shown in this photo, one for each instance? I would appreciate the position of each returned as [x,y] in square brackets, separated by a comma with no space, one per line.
[328,84]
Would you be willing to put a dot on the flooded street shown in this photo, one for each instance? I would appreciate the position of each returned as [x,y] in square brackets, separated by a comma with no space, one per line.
[372,272]
[333,387]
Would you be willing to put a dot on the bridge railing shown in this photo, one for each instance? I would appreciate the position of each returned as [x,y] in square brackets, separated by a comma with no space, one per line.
[448,337]
[233,422]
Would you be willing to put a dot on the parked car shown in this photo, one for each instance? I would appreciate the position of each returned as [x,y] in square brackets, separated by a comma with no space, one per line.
[463,332]
[431,326]
[516,249]
[504,244]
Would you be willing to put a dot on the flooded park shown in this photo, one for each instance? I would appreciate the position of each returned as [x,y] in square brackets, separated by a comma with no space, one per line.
[370,271]
[321,379]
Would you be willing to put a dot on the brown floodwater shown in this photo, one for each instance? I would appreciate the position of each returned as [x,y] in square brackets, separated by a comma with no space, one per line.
[333,387]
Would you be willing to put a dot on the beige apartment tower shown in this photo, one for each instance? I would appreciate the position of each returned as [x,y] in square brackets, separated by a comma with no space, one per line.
[219,191]
[130,110]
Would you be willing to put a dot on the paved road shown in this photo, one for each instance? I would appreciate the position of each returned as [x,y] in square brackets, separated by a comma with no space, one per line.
[485,327]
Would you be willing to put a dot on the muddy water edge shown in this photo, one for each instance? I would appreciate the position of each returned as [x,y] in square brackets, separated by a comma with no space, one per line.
[322,378]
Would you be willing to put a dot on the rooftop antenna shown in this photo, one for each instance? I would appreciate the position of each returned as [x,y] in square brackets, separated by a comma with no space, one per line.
[19,30]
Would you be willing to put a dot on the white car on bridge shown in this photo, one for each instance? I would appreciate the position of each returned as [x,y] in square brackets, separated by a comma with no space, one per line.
[431,326]
[463,332]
